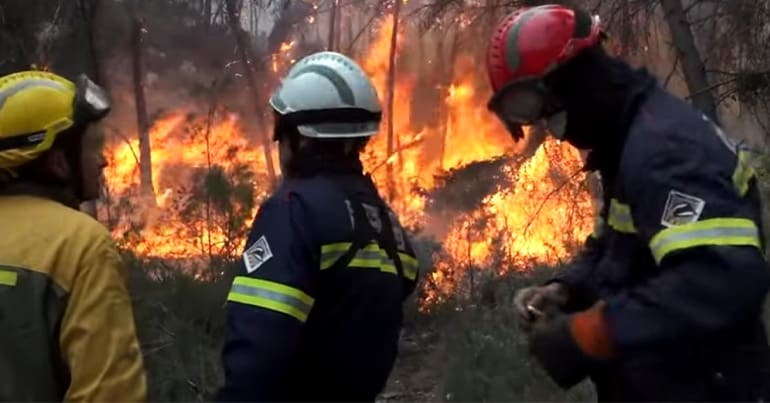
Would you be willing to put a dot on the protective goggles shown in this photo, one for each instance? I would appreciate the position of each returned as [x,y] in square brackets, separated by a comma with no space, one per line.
[523,104]
[91,101]
[364,119]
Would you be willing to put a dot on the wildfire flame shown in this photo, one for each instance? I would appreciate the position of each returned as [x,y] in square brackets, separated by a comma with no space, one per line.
[535,215]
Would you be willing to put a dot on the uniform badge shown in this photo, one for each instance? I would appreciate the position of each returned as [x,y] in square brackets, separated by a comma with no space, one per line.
[373,216]
[398,234]
[257,254]
[681,209]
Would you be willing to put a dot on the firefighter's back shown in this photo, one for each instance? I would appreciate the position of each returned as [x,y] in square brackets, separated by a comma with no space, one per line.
[57,266]
[352,333]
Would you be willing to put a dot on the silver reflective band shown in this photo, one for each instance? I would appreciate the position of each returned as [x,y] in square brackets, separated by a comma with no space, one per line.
[294,302]
[711,232]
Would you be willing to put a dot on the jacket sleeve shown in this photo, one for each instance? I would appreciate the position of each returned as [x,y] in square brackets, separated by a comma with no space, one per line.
[268,304]
[705,239]
[579,274]
[98,338]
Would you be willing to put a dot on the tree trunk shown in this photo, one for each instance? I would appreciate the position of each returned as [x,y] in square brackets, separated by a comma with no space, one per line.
[241,44]
[207,13]
[332,46]
[143,122]
[338,28]
[89,11]
[444,115]
[349,31]
[391,98]
[692,64]
[626,30]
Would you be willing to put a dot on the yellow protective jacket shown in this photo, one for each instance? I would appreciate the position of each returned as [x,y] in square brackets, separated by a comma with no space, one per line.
[66,324]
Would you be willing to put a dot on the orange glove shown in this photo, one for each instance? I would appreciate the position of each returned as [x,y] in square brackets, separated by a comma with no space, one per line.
[571,347]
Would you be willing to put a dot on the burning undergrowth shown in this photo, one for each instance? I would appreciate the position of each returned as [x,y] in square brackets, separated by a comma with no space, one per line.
[491,205]
[463,189]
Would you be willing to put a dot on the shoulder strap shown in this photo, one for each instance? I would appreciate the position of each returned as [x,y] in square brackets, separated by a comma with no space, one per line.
[363,233]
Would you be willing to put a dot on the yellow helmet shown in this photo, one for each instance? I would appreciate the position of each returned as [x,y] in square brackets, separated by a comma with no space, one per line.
[36,106]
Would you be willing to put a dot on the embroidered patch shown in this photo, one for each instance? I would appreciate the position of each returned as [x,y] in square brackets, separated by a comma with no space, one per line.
[373,216]
[398,233]
[681,209]
[257,254]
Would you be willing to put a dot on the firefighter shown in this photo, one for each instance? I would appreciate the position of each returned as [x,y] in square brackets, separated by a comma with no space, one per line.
[665,301]
[66,322]
[316,310]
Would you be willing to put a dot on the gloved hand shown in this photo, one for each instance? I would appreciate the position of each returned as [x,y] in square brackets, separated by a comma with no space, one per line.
[540,302]
[571,347]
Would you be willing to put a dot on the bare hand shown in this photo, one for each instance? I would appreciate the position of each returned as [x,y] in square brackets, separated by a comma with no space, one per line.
[534,303]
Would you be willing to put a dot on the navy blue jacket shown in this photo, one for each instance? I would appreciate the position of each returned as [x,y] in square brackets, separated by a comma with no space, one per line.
[316,312]
[678,258]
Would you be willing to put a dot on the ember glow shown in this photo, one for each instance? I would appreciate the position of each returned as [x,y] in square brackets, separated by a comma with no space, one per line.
[536,211]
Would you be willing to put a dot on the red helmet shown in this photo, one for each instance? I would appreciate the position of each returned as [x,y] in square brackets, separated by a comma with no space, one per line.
[527,45]
[532,41]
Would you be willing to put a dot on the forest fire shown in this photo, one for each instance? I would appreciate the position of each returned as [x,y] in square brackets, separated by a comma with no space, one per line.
[532,212]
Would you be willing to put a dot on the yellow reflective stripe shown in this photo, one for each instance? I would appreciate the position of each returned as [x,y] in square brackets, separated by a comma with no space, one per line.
[331,252]
[620,217]
[371,256]
[410,266]
[270,295]
[743,174]
[710,232]
[8,278]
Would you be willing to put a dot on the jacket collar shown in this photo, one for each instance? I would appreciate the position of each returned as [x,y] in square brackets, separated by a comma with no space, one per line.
[56,194]
[605,156]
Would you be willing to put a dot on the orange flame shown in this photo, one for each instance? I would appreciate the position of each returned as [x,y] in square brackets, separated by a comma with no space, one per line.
[535,215]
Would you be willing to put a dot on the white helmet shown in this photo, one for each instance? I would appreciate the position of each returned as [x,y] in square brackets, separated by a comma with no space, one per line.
[328,95]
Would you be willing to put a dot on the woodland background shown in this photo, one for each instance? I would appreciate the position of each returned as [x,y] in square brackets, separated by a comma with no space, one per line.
[154,55]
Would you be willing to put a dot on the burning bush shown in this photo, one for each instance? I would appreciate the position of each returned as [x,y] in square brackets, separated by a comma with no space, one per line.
[490,203]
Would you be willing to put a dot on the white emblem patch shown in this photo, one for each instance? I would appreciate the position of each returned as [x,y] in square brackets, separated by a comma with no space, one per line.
[681,209]
[257,254]
[373,216]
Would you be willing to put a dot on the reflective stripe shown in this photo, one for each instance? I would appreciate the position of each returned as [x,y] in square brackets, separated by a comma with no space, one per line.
[710,232]
[270,295]
[743,173]
[331,252]
[370,256]
[410,266]
[27,82]
[8,278]
[620,217]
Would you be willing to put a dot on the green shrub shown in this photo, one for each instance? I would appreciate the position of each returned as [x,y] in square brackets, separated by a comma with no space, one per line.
[485,351]
[180,324]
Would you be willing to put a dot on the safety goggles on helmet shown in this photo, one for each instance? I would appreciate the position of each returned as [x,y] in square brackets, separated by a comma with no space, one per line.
[523,104]
[336,122]
[90,104]
[91,101]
